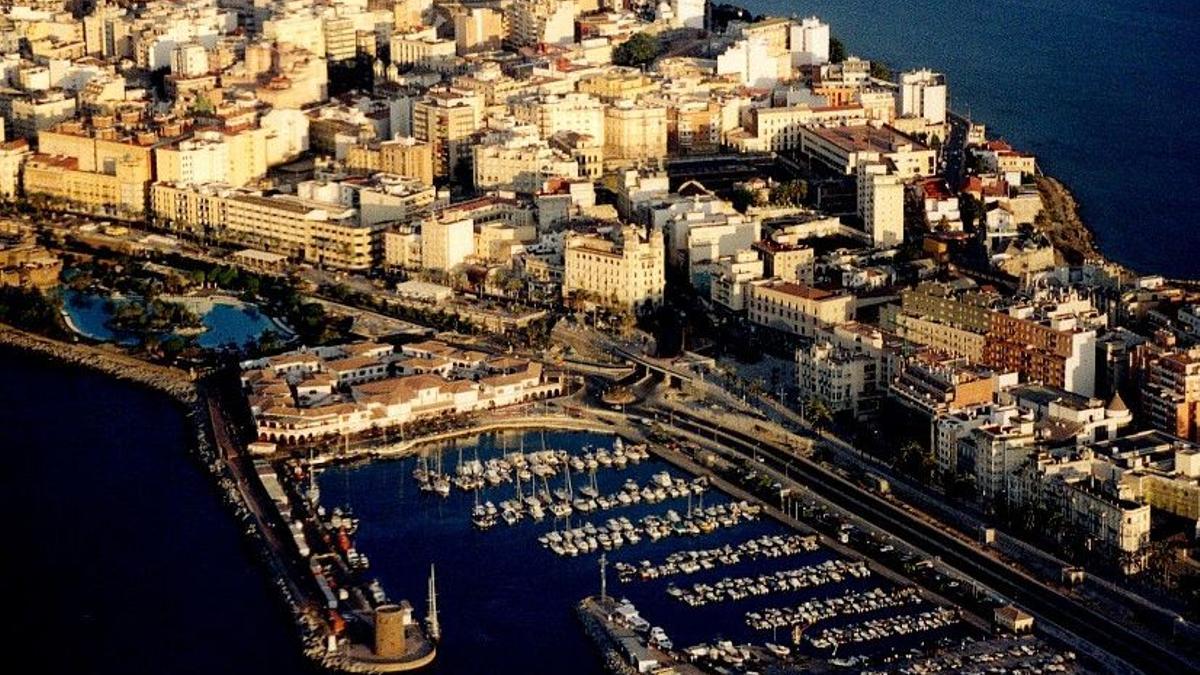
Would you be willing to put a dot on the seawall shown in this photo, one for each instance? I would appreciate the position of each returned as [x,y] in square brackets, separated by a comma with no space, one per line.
[176,383]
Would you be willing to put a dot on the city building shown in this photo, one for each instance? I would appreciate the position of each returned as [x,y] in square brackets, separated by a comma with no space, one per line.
[881,204]
[446,242]
[624,268]
[730,281]
[634,132]
[334,392]
[923,94]
[1170,394]
[446,119]
[798,309]
[842,148]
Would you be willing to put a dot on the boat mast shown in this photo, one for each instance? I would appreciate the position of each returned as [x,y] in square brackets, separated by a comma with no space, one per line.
[603,577]
[435,630]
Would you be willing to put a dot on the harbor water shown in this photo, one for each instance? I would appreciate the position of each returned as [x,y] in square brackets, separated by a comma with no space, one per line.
[506,602]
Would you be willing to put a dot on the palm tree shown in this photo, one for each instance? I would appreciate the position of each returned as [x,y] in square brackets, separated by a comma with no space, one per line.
[818,413]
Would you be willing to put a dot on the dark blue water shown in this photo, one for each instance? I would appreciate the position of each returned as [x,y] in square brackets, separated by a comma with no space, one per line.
[120,557]
[226,323]
[1105,92]
[506,603]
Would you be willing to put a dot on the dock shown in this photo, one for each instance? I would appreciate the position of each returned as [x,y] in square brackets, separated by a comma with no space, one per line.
[624,650]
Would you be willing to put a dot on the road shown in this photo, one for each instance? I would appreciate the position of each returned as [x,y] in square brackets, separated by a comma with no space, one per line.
[1044,602]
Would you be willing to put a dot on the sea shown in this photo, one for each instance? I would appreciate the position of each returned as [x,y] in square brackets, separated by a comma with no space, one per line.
[1104,92]
[121,557]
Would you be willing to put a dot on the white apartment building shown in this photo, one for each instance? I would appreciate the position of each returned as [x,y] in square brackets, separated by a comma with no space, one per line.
[732,278]
[750,62]
[881,204]
[846,381]
[446,243]
[551,113]
[533,22]
[808,42]
[923,94]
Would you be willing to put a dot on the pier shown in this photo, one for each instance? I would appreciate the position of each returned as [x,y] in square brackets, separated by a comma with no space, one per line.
[624,650]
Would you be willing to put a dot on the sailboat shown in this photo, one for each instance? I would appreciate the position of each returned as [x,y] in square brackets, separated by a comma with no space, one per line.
[441,482]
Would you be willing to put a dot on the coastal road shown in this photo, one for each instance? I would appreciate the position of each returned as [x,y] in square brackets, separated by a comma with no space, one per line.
[1046,603]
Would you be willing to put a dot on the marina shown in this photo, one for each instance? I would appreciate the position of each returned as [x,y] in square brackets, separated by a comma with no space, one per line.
[694,560]
[820,609]
[883,628]
[520,602]
[781,581]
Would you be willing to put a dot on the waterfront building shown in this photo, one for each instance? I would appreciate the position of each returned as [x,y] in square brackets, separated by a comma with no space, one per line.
[808,42]
[624,268]
[844,380]
[59,179]
[324,233]
[778,128]
[842,148]
[798,309]
[329,392]
[923,94]
[751,62]
[929,386]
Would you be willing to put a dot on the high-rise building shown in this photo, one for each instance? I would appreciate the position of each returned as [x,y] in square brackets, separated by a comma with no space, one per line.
[478,29]
[808,41]
[533,22]
[881,204]
[446,242]
[923,94]
[444,119]
[1171,393]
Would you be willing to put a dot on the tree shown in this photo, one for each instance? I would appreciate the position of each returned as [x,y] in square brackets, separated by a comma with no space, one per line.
[837,50]
[818,413]
[881,71]
[792,193]
[638,50]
